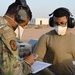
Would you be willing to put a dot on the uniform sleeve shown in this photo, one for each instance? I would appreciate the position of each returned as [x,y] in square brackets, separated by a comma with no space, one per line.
[40,48]
[23,68]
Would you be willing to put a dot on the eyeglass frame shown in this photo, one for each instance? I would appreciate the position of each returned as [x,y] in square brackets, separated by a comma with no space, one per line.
[63,24]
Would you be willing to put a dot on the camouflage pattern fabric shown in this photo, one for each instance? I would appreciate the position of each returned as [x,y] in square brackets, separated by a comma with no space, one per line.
[9,63]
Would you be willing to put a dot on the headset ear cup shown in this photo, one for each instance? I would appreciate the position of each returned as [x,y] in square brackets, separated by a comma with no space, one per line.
[21,15]
[71,22]
[51,22]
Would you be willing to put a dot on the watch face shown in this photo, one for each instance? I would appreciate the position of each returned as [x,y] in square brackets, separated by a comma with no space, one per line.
[13,45]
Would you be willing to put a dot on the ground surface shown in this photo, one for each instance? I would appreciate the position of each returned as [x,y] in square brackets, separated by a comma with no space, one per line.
[35,32]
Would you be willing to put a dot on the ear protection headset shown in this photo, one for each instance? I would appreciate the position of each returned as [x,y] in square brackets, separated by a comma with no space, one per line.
[22,11]
[71,21]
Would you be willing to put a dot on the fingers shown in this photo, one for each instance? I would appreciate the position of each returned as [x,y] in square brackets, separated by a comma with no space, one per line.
[35,56]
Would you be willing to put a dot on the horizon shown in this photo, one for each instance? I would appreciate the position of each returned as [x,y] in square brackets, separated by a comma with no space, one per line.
[41,9]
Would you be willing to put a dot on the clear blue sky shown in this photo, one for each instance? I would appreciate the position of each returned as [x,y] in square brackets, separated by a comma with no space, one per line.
[41,8]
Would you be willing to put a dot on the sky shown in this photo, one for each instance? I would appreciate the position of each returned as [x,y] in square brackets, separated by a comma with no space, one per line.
[41,8]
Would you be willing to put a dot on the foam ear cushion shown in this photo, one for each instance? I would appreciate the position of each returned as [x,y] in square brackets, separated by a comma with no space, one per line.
[22,14]
[51,22]
[71,22]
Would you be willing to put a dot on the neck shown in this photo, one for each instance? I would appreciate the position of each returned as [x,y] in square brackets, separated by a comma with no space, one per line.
[11,21]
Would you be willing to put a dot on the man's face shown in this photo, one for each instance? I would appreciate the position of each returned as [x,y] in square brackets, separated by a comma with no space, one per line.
[61,21]
[60,25]
[25,23]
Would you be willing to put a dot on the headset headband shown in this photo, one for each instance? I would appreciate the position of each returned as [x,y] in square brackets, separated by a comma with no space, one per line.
[22,2]
[64,9]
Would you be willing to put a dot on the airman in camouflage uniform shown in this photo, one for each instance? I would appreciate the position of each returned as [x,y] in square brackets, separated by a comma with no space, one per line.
[9,63]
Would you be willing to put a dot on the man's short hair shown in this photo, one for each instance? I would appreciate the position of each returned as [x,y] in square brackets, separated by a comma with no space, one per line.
[60,12]
[12,9]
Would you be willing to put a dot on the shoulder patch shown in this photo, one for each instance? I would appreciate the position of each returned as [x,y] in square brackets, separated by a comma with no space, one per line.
[13,45]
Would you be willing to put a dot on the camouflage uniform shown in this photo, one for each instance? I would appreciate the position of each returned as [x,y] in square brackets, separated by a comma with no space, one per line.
[9,63]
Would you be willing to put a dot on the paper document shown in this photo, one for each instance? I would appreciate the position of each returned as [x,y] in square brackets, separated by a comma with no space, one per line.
[38,66]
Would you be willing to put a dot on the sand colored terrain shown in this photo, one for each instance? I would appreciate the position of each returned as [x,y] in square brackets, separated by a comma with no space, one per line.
[35,32]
